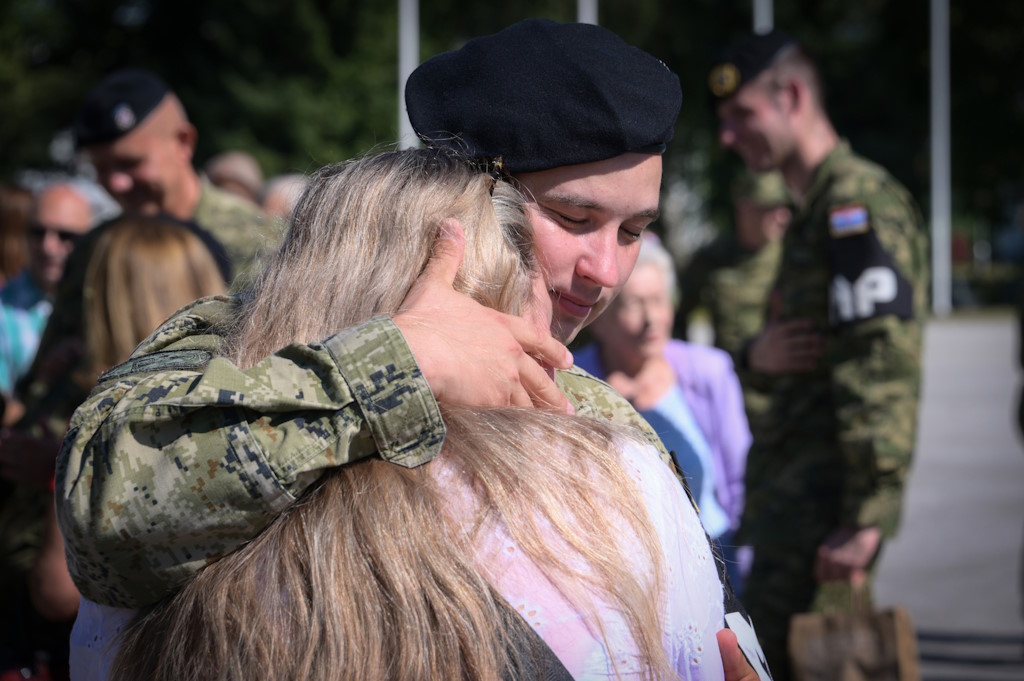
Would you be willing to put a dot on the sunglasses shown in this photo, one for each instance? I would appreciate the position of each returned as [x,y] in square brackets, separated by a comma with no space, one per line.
[38,231]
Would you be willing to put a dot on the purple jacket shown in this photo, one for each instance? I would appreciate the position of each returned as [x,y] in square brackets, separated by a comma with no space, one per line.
[712,391]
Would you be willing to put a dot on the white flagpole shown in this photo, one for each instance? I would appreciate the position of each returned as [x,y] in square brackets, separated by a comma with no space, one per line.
[408,60]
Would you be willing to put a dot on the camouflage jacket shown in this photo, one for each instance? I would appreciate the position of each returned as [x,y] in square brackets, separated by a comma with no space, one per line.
[732,283]
[246,233]
[854,261]
[178,456]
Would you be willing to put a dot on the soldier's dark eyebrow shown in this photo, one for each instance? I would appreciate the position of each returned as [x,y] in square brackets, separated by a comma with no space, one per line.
[586,204]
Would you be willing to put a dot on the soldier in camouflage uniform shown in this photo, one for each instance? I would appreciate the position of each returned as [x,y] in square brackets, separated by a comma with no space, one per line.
[732,275]
[842,344]
[134,131]
[179,456]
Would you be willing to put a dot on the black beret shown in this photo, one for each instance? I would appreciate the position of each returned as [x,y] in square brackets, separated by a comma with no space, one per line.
[744,61]
[541,95]
[116,105]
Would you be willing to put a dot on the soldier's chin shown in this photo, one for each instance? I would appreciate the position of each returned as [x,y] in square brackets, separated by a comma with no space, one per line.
[565,330]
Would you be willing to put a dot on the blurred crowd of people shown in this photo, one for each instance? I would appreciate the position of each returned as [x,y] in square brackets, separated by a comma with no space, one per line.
[77,294]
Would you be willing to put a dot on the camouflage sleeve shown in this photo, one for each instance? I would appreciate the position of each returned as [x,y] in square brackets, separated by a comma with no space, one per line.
[164,470]
[878,289]
[596,399]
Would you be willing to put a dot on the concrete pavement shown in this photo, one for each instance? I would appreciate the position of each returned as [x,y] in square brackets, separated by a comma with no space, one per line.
[957,562]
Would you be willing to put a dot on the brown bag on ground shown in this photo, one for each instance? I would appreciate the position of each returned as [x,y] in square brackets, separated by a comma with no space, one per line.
[863,645]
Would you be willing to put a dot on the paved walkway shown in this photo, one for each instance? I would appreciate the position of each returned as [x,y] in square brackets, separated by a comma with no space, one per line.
[957,564]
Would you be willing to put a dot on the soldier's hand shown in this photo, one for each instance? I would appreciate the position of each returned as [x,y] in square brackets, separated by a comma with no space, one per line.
[734,663]
[785,347]
[472,355]
[847,554]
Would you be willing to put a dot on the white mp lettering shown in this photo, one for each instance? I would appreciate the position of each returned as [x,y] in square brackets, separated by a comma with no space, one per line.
[875,285]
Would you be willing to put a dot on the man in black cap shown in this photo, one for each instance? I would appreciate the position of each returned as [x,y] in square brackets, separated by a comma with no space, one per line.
[841,347]
[136,134]
[134,131]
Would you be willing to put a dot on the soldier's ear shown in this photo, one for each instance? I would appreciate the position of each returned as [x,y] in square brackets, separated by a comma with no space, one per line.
[186,135]
[791,95]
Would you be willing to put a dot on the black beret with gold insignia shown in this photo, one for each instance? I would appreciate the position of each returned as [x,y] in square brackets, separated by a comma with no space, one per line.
[542,95]
[744,61]
[116,105]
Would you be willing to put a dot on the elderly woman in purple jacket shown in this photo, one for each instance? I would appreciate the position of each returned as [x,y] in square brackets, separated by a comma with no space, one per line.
[689,393]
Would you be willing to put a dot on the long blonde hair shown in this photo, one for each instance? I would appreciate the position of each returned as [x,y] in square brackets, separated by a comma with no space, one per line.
[141,270]
[369,575]
[361,234]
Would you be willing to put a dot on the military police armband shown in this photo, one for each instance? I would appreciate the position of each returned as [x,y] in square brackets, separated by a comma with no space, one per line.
[865,280]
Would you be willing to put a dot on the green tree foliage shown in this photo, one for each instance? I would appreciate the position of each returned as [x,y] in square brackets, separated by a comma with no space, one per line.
[306,82]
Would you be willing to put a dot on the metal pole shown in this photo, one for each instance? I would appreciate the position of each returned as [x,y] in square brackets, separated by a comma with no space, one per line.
[586,11]
[408,60]
[942,211]
[764,16]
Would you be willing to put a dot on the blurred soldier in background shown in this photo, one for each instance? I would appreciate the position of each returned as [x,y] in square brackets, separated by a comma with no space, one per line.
[731,276]
[135,132]
[842,344]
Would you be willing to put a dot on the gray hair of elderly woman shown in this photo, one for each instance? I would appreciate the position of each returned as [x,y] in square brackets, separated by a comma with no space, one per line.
[653,253]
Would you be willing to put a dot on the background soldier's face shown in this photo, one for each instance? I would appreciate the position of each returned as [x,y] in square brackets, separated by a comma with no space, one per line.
[753,123]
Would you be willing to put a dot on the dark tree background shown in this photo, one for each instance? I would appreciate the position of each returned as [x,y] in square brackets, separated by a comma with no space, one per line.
[306,82]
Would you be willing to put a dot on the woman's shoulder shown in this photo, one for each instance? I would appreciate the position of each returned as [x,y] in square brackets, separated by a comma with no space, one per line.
[698,360]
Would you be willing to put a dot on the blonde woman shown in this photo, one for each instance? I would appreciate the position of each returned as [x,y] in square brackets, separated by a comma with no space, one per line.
[529,523]
[141,271]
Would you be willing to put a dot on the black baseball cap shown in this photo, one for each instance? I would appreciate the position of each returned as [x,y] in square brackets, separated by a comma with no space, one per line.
[117,105]
[744,61]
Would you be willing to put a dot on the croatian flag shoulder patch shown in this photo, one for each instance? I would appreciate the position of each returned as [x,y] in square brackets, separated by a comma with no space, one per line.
[848,220]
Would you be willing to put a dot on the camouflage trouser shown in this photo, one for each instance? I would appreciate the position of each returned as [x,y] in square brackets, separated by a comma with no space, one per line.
[781,584]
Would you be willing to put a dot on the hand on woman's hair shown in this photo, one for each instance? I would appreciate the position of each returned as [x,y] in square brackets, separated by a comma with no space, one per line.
[472,355]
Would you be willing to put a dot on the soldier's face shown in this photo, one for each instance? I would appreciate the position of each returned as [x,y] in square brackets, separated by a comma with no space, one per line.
[638,325]
[756,225]
[587,221]
[142,170]
[753,123]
